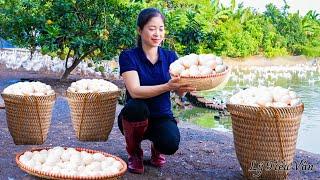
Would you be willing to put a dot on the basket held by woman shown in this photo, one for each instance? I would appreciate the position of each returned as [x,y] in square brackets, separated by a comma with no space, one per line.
[203,72]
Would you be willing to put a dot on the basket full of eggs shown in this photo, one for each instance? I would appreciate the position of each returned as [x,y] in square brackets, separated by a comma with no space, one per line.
[71,163]
[203,72]
[93,104]
[265,124]
[28,110]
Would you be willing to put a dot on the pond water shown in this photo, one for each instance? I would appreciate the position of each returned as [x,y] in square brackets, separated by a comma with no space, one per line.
[303,79]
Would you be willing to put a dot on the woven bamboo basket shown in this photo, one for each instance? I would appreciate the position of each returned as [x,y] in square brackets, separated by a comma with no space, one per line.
[265,136]
[28,117]
[205,82]
[93,114]
[47,175]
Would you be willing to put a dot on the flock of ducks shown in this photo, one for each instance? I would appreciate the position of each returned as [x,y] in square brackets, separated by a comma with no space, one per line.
[19,58]
[250,76]
[267,76]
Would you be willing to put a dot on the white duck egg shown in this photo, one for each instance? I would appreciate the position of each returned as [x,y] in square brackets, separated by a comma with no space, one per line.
[219,61]
[31,163]
[28,154]
[52,159]
[113,169]
[269,104]
[44,151]
[98,157]
[211,64]
[185,73]
[38,167]
[81,168]
[72,166]
[38,94]
[220,68]
[194,71]
[205,71]
[83,173]
[263,100]
[50,92]
[87,159]
[285,99]
[75,158]
[292,94]
[279,104]
[46,168]
[71,150]
[204,58]
[190,60]
[295,102]
[118,165]
[55,169]
[236,100]
[58,151]
[65,156]
[24,159]
[72,89]
[41,158]
[176,69]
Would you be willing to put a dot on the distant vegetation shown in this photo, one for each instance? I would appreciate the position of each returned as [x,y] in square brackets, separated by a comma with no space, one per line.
[99,29]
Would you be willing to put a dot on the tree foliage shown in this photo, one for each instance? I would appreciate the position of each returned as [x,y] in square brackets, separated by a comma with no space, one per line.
[100,29]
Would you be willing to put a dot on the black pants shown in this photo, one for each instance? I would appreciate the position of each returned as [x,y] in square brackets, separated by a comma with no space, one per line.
[163,132]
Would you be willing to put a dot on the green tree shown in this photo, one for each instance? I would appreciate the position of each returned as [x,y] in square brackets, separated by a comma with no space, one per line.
[81,30]
[21,22]
[87,29]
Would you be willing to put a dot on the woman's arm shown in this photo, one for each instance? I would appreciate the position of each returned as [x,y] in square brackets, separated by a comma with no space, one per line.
[131,80]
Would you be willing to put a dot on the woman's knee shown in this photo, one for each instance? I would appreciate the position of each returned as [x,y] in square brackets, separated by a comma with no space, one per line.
[135,110]
[168,145]
[120,123]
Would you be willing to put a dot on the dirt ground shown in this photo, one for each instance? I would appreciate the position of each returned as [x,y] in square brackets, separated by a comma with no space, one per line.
[203,153]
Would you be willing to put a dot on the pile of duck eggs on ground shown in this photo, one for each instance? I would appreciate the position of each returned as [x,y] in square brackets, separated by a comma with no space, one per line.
[69,161]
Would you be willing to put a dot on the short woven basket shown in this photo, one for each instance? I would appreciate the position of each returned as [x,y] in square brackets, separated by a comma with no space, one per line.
[93,114]
[28,117]
[265,136]
[47,175]
[205,82]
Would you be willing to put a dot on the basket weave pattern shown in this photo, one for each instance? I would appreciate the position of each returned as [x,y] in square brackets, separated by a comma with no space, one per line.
[265,134]
[47,175]
[205,82]
[93,114]
[28,117]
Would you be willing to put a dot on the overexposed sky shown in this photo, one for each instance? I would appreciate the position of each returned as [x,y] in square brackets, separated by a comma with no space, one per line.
[302,5]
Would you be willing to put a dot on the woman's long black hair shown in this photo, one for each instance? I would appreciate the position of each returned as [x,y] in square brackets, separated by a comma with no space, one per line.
[144,16]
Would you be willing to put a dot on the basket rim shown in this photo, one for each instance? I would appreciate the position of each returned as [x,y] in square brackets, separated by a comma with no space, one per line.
[38,173]
[264,107]
[26,96]
[205,76]
[94,93]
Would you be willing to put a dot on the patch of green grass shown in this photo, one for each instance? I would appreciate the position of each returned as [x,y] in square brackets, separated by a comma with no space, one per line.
[202,117]
[206,120]
[187,114]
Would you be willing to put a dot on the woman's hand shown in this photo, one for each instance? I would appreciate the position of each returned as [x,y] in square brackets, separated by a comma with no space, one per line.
[174,85]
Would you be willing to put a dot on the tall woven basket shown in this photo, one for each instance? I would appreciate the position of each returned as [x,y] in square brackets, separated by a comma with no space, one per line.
[28,117]
[265,136]
[93,114]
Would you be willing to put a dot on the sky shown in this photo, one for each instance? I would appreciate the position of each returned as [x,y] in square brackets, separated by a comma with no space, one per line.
[302,5]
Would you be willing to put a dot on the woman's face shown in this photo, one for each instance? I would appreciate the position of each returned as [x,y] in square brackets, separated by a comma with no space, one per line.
[152,33]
